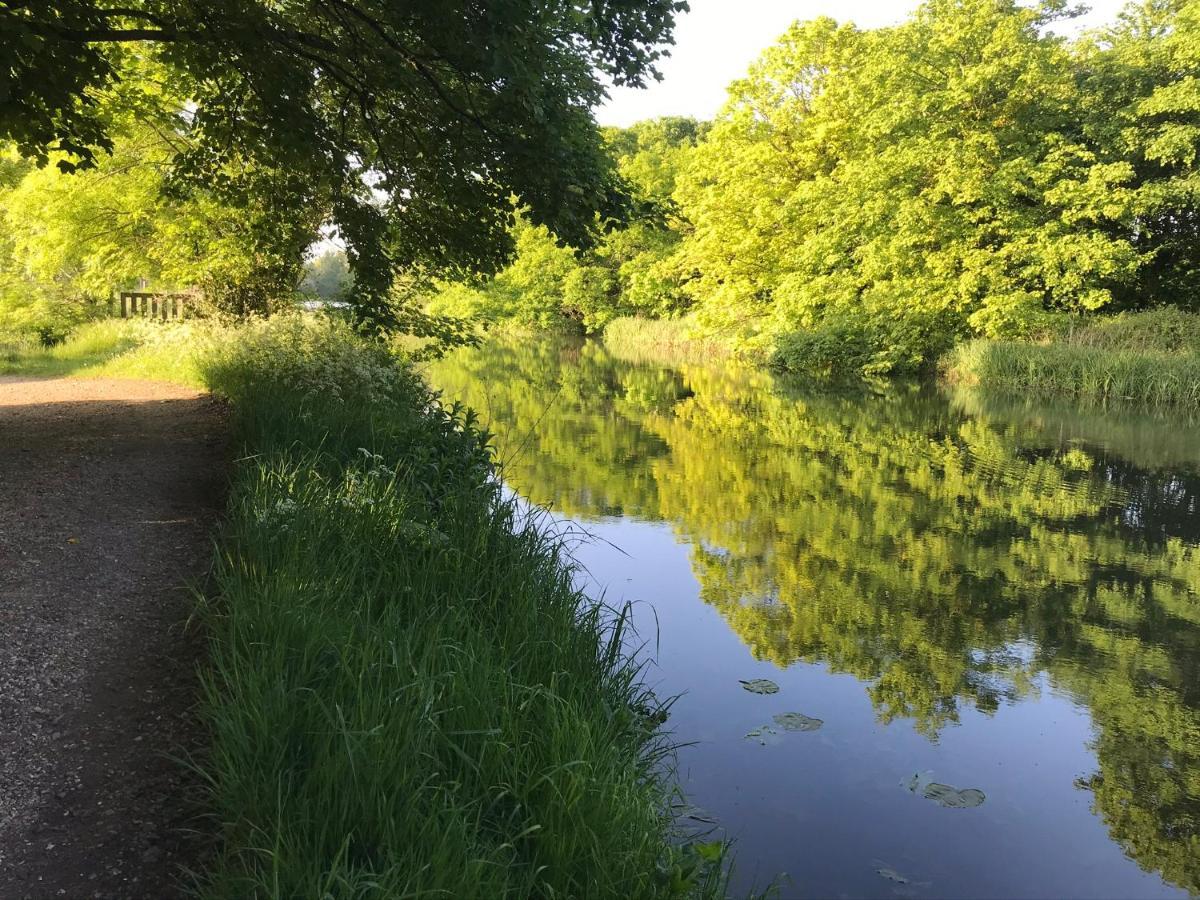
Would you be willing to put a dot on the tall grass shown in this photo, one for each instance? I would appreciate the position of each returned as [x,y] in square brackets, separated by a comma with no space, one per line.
[663,341]
[1085,371]
[1164,330]
[407,695]
[117,348]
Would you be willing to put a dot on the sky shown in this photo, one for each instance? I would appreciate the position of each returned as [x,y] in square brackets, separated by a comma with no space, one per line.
[716,42]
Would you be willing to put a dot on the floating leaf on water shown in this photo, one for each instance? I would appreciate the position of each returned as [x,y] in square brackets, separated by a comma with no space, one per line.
[764,734]
[794,721]
[760,686]
[907,885]
[953,798]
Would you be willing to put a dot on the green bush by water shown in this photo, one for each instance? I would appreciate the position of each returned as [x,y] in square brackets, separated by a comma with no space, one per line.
[407,695]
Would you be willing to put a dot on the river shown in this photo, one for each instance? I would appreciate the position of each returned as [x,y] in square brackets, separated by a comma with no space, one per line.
[984,614]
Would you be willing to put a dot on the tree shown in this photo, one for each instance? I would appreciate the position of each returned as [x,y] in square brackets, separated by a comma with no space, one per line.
[899,188]
[630,270]
[1142,89]
[408,126]
[74,238]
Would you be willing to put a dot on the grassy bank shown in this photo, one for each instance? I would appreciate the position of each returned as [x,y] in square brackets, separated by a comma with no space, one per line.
[1151,358]
[117,348]
[405,693]
[666,341]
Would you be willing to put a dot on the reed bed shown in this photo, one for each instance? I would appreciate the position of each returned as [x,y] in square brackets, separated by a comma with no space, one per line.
[1089,372]
[665,341]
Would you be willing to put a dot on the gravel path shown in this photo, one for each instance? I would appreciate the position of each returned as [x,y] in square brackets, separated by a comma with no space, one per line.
[108,494]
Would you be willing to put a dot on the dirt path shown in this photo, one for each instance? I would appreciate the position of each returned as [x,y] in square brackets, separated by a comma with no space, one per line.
[108,494]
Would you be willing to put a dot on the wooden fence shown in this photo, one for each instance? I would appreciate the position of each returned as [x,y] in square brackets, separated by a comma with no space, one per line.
[151,305]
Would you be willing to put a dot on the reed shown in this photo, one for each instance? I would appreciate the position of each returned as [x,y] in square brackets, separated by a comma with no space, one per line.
[1085,371]
[665,341]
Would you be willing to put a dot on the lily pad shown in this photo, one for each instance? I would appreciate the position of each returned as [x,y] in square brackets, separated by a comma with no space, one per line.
[944,794]
[794,721]
[760,686]
[953,798]
[765,735]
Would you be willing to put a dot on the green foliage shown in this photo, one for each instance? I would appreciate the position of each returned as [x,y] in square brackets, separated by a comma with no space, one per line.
[631,270]
[1089,372]
[1142,91]
[407,126]
[73,240]
[905,186]
[407,694]
[1165,330]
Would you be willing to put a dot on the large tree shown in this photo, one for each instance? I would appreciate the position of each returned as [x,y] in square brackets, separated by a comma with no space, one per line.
[409,125]
[631,271]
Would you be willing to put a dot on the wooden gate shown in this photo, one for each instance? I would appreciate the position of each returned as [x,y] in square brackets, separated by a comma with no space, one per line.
[151,305]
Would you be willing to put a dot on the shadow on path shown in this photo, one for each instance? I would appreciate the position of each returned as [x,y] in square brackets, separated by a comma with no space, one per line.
[109,491]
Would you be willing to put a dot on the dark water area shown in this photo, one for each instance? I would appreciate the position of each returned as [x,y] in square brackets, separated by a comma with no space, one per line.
[991,606]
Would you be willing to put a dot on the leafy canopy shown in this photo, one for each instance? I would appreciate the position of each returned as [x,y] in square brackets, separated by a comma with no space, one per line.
[630,270]
[408,126]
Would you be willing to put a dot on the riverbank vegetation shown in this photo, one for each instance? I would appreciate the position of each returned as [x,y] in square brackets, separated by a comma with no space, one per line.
[1148,357]
[664,340]
[406,693]
[869,199]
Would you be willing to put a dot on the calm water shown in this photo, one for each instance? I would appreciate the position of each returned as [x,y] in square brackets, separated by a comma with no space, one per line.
[991,596]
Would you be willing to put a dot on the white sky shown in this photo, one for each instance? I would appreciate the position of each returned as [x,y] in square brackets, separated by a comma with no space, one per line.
[716,42]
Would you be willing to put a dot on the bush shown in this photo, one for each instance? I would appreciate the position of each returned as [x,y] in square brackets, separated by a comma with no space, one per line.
[841,346]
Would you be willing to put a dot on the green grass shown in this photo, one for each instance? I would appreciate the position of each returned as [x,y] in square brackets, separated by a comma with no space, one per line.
[407,695]
[1164,330]
[116,348]
[666,341]
[1088,372]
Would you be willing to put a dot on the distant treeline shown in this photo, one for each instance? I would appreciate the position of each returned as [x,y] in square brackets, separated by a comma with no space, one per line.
[868,198]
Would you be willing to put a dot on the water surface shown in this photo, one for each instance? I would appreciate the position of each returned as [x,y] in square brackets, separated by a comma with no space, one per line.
[990,595]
